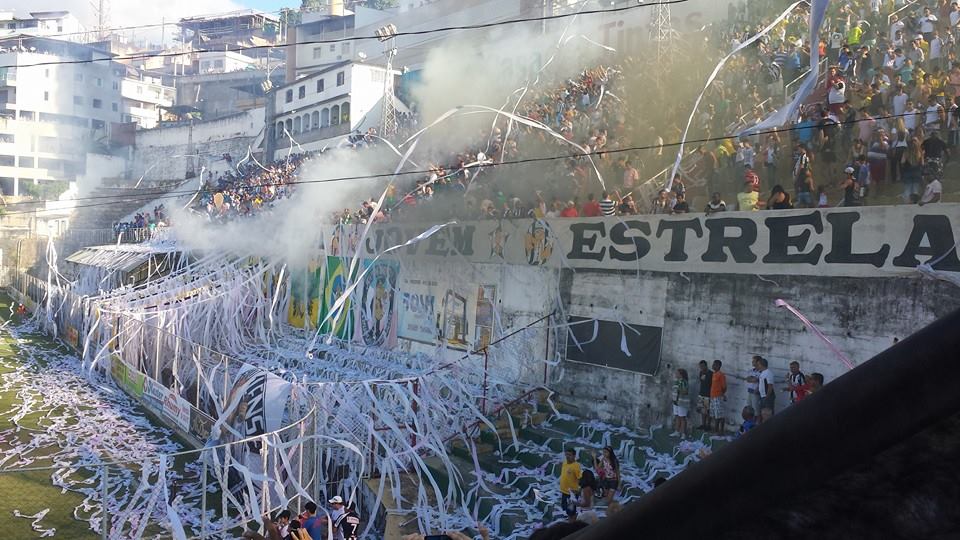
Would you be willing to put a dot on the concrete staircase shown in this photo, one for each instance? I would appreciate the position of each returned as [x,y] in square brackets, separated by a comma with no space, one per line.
[519,487]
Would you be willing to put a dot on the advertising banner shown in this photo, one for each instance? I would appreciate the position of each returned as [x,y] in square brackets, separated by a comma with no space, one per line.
[418,318]
[177,410]
[867,241]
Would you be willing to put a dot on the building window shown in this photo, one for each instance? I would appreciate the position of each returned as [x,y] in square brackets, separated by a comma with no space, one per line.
[279,131]
[49,164]
[325,118]
[289,96]
[345,113]
[317,53]
[333,48]
[306,122]
[289,126]
[335,115]
[97,104]
[27,162]
[316,120]
[26,115]
[46,73]
[99,82]
[7,138]
[114,107]
[78,100]
[302,92]
[296,125]
[97,124]
[6,161]
[320,85]
[46,96]
[116,85]
[340,78]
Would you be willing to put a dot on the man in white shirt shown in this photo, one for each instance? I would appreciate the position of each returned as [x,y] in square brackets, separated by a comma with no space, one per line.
[932,117]
[910,118]
[767,390]
[896,25]
[936,49]
[927,24]
[900,101]
[933,193]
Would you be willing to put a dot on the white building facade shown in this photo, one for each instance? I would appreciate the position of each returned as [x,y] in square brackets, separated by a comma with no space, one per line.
[53,114]
[60,24]
[318,110]
[143,97]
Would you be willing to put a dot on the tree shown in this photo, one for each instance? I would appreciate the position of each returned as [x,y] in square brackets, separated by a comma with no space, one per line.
[382,4]
[310,5]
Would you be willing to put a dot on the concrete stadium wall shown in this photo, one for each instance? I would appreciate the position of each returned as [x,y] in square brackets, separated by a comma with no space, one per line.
[731,318]
[171,153]
[707,310]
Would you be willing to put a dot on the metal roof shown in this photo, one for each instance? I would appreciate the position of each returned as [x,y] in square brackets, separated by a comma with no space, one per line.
[122,258]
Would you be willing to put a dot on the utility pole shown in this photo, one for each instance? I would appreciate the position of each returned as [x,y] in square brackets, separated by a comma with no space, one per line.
[102,10]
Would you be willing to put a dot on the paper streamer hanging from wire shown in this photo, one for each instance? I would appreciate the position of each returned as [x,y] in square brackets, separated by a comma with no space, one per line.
[813,328]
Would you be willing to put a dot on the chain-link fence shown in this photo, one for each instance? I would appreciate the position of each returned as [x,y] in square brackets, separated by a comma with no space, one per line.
[214,492]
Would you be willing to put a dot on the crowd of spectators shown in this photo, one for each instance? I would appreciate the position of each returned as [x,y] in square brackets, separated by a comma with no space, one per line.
[249,188]
[885,113]
[144,220]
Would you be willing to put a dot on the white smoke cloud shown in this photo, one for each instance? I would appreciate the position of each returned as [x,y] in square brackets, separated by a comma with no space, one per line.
[291,230]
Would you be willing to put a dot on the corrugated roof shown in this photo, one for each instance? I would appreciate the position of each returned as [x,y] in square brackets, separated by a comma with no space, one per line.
[122,258]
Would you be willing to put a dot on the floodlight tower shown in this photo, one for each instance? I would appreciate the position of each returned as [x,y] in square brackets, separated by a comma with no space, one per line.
[388,118]
[663,35]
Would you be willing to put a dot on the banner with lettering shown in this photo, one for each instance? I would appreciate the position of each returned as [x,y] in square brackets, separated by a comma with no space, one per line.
[868,241]
[418,318]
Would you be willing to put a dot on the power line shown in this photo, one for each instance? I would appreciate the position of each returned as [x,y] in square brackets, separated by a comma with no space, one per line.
[345,39]
[175,194]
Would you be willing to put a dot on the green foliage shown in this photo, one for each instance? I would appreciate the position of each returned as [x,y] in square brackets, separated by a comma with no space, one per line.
[382,4]
[44,190]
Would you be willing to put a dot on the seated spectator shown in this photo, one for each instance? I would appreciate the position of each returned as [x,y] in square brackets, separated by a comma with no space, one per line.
[715,204]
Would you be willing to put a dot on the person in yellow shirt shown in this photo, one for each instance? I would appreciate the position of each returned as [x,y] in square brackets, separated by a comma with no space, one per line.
[570,473]
[748,199]
[855,34]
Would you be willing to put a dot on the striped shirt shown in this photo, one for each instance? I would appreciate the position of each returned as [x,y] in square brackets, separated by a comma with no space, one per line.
[607,207]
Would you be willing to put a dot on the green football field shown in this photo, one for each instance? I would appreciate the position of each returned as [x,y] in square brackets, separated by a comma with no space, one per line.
[32,492]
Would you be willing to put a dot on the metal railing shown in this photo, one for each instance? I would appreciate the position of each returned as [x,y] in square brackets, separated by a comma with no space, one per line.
[905,7]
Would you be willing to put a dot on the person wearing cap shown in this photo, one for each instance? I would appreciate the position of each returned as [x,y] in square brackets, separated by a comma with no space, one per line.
[849,187]
[337,511]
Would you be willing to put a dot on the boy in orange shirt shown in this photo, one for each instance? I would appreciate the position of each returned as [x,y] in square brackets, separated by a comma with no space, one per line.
[718,394]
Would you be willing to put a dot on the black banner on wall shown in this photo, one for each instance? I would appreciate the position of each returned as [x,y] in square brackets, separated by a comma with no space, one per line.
[632,347]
